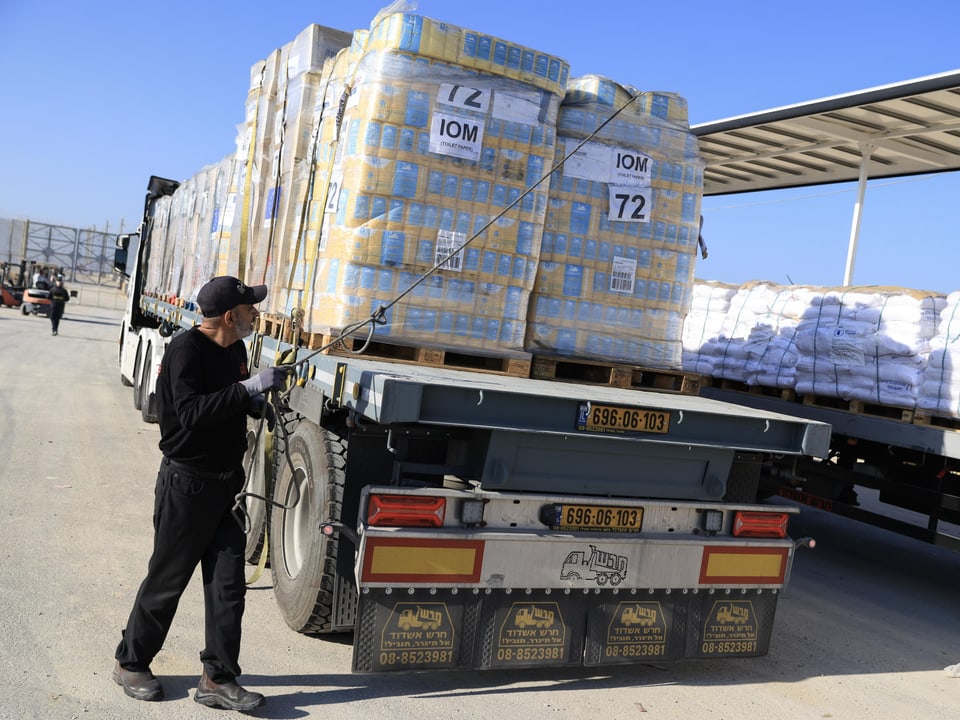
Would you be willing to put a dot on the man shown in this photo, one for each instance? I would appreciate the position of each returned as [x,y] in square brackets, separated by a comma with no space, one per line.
[40,279]
[204,393]
[58,297]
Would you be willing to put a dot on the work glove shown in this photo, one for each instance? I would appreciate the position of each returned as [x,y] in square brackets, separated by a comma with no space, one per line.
[260,408]
[270,379]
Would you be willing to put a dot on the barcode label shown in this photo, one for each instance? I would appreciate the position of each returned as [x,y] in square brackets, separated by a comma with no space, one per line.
[623,275]
[449,255]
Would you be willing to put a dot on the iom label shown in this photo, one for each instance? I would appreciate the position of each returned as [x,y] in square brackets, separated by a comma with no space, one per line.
[456,136]
[629,167]
[603,163]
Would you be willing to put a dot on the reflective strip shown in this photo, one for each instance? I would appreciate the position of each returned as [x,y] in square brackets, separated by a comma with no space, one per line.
[726,565]
[398,560]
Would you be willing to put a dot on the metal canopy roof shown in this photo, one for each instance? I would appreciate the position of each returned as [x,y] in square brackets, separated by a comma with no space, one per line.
[906,128]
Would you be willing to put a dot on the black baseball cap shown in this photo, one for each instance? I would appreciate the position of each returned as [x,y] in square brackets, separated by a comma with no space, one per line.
[225,293]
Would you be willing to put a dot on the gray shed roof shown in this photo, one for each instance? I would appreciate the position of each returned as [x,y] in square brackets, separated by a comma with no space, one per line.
[907,128]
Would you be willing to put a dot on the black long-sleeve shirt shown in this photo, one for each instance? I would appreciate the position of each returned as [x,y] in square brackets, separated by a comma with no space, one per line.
[202,407]
[59,294]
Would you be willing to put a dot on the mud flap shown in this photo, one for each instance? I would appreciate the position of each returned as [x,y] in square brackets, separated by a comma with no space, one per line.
[435,629]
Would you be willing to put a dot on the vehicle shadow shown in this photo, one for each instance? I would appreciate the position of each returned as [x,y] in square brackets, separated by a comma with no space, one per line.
[887,594]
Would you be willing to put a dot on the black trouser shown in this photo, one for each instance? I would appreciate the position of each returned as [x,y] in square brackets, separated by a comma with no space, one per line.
[192,523]
[56,312]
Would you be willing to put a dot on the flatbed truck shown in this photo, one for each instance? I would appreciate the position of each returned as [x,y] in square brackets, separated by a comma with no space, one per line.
[454,483]
[398,487]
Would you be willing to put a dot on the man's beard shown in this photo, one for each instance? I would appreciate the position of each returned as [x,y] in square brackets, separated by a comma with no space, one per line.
[243,329]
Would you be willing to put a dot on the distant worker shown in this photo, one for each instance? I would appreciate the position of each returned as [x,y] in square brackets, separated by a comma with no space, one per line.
[59,297]
[40,279]
[204,394]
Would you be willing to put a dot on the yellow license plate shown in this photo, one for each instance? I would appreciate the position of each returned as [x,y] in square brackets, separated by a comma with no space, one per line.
[601,518]
[593,417]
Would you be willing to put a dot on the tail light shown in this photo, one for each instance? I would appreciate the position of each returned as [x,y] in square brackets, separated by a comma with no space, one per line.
[760,524]
[406,510]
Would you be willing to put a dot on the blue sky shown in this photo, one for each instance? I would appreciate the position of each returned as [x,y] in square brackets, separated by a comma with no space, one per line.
[103,94]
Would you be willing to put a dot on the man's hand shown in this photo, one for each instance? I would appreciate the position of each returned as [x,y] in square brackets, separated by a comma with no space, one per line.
[270,379]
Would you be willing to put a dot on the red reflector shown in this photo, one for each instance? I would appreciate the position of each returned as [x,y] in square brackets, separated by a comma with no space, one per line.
[760,524]
[406,510]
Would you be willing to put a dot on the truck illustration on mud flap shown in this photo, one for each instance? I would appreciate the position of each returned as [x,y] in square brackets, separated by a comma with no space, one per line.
[420,618]
[533,615]
[595,565]
[638,615]
[733,614]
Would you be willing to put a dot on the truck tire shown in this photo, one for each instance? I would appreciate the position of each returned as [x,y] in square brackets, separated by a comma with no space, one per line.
[302,559]
[123,380]
[147,399]
[137,372]
[258,464]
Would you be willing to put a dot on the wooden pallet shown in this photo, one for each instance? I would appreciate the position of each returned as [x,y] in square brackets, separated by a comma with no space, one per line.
[513,365]
[277,327]
[614,375]
[924,417]
[787,394]
[859,407]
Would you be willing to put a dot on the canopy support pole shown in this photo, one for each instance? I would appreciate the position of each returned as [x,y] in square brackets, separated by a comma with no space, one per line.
[866,150]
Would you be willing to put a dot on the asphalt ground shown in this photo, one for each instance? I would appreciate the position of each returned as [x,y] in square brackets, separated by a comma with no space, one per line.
[865,629]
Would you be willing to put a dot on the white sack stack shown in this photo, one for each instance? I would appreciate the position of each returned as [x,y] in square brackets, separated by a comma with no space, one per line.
[868,344]
[708,308]
[940,390]
[753,340]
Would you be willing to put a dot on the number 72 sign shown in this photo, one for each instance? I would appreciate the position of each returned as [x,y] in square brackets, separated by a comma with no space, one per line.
[630,204]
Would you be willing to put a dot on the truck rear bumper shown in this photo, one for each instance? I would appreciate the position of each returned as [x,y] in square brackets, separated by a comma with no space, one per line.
[447,600]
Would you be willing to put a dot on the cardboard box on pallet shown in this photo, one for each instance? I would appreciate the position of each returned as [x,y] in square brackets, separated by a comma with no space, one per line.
[312,188]
[618,251]
[161,253]
[436,138]
[273,145]
[221,226]
[213,227]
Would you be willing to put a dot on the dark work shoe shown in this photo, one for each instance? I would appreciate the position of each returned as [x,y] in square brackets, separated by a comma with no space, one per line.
[228,696]
[138,684]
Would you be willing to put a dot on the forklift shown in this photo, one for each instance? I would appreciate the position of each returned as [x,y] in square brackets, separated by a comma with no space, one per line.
[36,298]
[13,283]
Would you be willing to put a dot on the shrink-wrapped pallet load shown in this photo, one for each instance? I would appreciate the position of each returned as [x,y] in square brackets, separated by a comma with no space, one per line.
[186,232]
[756,339]
[274,155]
[774,363]
[441,129]
[709,302]
[940,388]
[298,259]
[617,262]
[868,344]
[212,229]
[161,250]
